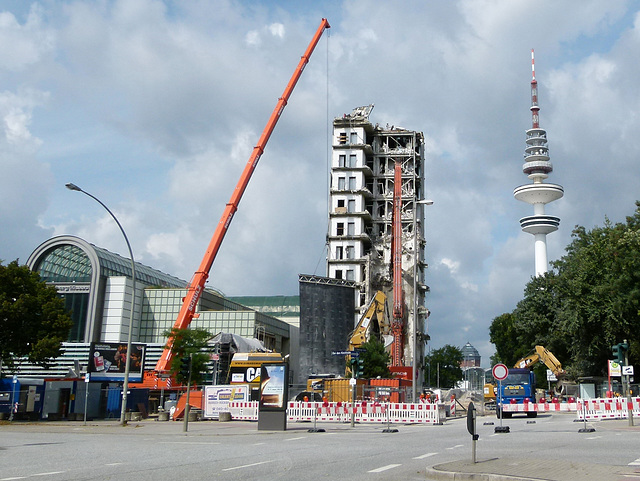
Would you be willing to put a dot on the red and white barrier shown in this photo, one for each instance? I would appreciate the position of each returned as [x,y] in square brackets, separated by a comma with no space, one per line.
[530,407]
[244,411]
[608,408]
[364,412]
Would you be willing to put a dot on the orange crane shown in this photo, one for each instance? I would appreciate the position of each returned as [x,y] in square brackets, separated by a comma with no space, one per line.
[196,286]
[396,251]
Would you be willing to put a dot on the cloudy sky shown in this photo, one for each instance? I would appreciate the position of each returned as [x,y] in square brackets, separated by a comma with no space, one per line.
[154,107]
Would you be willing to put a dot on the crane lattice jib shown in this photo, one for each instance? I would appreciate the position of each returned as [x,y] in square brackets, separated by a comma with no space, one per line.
[196,286]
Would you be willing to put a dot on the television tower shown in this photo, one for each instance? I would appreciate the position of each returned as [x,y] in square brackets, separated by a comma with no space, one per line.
[537,167]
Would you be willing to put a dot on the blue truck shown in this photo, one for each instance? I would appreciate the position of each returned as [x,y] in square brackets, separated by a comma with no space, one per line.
[519,385]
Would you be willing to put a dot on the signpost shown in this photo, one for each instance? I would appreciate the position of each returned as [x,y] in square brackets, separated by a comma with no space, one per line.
[500,373]
[87,379]
[471,427]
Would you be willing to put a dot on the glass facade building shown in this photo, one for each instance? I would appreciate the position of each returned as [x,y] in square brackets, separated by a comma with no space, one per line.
[96,286]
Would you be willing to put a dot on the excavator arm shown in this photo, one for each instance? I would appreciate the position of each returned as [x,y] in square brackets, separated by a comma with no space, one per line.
[541,354]
[197,283]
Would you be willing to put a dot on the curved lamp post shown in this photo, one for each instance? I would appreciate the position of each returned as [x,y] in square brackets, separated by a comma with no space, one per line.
[127,365]
[414,335]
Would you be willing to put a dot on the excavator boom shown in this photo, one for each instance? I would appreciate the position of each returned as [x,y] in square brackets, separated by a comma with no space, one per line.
[197,283]
[541,354]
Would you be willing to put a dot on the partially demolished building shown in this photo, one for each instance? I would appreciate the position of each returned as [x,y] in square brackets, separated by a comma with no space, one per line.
[360,217]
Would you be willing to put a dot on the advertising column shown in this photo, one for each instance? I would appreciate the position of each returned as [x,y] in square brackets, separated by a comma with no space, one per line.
[272,412]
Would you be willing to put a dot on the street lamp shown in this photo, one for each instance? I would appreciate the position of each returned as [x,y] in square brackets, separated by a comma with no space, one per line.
[127,365]
[414,336]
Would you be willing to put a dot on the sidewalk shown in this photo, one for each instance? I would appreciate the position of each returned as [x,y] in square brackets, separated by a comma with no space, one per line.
[525,468]
[510,469]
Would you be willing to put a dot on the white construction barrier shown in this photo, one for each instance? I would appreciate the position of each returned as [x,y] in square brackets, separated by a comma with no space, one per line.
[364,412]
[529,407]
[608,408]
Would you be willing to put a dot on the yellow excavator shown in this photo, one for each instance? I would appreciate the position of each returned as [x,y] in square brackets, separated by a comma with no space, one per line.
[537,354]
[376,311]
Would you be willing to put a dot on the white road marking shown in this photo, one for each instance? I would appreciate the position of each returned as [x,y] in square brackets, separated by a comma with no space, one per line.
[295,439]
[247,465]
[384,468]
[594,437]
[187,442]
[425,456]
[11,479]
[113,464]
[456,446]
[48,474]
[635,463]
[259,444]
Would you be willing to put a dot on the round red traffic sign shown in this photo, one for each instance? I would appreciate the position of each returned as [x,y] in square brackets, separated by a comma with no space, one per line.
[500,371]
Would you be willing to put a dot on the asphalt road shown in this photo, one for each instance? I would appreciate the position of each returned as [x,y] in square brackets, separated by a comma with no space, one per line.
[236,450]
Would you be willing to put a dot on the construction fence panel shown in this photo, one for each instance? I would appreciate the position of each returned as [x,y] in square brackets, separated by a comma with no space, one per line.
[608,408]
[530,407]
[594,409]
[405,413]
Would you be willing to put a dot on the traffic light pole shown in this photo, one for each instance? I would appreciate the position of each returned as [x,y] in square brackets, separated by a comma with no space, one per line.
[628,391]
[353,394]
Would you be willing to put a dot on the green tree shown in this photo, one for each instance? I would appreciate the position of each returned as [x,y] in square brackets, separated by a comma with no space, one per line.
[587,303]
[375,359]
[443,367]
[33,320]
[189,342]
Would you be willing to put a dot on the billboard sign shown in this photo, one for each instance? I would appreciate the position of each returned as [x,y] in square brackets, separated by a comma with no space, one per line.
[217,398]
[273,387]
[107,361]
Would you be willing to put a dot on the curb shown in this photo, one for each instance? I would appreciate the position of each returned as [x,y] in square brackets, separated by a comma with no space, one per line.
[437,475]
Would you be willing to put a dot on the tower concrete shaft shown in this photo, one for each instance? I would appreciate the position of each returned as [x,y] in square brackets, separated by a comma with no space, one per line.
[538,167]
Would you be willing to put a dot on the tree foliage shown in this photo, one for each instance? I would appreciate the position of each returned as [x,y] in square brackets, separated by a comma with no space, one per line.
[589,301]
[189,342]
[375,359]
[444,366]
[33,320]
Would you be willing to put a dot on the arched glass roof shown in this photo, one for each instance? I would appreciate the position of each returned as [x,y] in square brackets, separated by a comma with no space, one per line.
[65,263]
[70,263]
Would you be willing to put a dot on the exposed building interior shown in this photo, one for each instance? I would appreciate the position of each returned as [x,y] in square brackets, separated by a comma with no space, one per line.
[360,235]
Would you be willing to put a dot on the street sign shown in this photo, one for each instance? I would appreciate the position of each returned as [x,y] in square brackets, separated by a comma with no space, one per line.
[346,353]
[500,372]
[627,370]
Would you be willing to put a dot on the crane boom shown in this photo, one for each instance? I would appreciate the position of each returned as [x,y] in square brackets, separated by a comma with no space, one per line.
[196,285]
[396,247]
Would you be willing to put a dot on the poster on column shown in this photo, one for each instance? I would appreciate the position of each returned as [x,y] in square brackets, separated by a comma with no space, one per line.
[273,387]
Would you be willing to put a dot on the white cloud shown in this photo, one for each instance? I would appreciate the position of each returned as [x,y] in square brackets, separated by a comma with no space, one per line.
[155,107]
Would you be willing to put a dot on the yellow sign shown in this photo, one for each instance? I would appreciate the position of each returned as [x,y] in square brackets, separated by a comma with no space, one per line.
[615,369]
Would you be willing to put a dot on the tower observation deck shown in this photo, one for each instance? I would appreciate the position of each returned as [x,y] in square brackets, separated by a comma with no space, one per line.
[538,167]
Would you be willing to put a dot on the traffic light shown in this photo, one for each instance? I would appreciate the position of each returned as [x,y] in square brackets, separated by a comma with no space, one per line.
[619,351]
[185,367]
[354,367]
[615,350]
[360,368]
